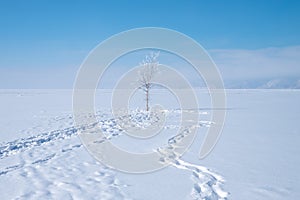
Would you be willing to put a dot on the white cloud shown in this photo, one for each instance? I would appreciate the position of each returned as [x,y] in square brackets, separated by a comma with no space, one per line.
[240,64]
[260,67]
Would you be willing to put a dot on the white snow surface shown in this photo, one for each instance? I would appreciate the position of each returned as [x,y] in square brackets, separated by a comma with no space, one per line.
[42,157]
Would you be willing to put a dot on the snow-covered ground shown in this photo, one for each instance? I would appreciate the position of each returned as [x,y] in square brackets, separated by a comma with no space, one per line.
[42,157]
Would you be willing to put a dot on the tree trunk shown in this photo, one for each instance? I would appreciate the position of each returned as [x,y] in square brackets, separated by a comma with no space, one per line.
[147,98]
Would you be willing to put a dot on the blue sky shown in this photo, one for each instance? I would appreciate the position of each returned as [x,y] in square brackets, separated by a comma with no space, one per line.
[53,37]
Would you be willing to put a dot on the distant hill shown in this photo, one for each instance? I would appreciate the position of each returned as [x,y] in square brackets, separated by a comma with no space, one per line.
[276,83]
[281,84]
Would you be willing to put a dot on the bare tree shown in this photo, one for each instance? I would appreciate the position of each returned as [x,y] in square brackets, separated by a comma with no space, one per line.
[149,68]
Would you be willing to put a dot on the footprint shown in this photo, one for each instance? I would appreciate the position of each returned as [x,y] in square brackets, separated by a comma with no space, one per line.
[44,159]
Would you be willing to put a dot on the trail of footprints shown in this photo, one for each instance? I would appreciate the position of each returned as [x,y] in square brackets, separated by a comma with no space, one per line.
[207,185]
